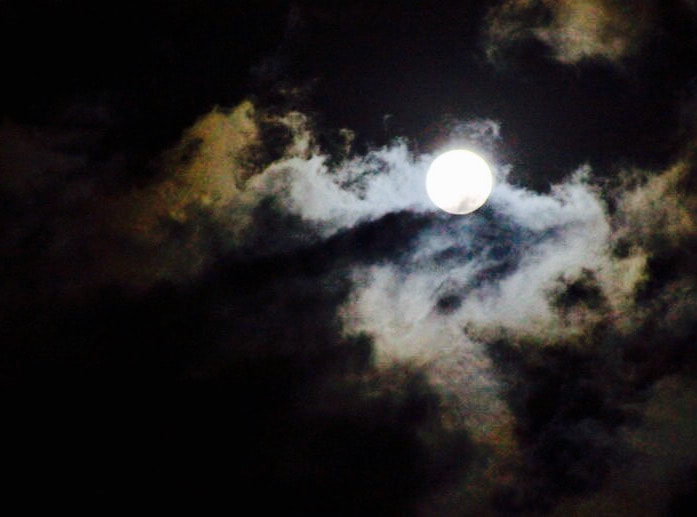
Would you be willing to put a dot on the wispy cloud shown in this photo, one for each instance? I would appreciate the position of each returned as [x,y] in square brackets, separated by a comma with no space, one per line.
[575,30]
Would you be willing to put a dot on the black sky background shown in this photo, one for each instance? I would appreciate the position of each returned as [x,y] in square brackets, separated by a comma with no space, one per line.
[162,64]
[237,385]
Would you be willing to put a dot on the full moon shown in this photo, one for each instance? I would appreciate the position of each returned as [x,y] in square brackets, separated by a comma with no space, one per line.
[459,181]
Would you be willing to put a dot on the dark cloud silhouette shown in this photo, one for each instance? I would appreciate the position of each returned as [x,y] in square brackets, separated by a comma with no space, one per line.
[569,406]
[236,385]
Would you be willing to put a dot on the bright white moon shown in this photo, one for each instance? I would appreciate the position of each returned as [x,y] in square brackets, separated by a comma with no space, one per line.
[459,181]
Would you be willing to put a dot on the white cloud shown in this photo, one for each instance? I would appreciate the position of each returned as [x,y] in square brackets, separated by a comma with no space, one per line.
[556,235]
[363,188]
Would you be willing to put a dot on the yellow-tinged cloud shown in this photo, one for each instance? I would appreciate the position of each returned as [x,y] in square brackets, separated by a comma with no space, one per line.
[205,170]
[660,212]
[94,234]
[210,182]
[575,30]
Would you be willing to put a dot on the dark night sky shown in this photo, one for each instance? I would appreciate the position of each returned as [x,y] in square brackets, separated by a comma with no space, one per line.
[224,284]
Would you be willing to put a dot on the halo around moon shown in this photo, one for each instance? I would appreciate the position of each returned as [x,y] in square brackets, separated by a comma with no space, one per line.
[459,181]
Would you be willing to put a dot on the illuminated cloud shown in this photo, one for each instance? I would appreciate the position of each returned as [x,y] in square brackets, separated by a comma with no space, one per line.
[660,212]
[457,273]
[470,272]
[74,230]
[545,270]
[575,30]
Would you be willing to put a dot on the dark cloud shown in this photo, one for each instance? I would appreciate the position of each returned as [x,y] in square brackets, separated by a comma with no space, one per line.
[569,406]
[221,361]
[237,385]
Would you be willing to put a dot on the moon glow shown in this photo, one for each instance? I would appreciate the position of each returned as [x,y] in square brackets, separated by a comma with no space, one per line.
[459,181]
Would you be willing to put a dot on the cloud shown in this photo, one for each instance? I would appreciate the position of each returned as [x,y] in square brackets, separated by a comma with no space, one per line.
[195,323]
[660,213]
[76,227]
[661,477]
[332,291]
[542,269]
[470,281]
[575,30]
[475,272]
[246,318]
[236,177]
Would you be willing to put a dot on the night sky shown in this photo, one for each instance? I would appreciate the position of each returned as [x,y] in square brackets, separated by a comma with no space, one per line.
[224,287]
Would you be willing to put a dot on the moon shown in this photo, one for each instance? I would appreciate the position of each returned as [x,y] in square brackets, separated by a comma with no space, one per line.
[459,181]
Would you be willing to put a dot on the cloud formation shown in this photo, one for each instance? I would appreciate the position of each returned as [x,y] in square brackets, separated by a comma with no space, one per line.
[574,30]
[554,279]
[528,327]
